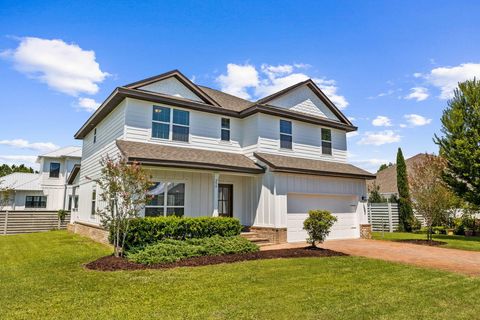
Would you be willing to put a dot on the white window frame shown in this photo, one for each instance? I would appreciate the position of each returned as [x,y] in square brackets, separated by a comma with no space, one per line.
[93,203]
[284,134]
[170,124]
[165,205]
[229,129]
[329,141]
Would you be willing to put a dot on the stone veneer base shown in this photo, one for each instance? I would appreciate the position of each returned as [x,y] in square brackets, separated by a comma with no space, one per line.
[91,231]
[274,235]
[366,231]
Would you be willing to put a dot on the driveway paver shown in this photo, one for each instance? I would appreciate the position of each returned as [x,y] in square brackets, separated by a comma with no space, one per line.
[460,261]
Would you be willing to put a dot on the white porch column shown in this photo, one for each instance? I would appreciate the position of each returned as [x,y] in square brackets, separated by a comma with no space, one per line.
[216,176]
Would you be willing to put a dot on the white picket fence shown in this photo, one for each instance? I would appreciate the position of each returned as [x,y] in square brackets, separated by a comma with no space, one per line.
[14,222]
[384,216]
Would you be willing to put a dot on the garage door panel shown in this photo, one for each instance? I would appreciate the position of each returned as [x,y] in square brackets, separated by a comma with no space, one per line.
[342,207]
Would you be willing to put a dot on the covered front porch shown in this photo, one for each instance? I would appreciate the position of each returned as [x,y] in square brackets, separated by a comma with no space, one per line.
[195,182]
[196,193]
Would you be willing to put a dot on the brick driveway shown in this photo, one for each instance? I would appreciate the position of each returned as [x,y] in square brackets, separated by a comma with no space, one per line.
[460,261]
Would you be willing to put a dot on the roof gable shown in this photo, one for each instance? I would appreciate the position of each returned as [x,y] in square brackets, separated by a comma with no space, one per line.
[173,83]
[306,97]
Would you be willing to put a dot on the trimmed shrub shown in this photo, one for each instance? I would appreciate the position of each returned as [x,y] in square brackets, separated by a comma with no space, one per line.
[170,250]
[318,225]
[145,231]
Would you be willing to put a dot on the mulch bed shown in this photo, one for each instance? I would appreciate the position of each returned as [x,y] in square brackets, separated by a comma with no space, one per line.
[111,263]
[423,242]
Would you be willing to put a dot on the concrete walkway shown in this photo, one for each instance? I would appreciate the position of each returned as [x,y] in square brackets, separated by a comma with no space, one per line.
[460,261]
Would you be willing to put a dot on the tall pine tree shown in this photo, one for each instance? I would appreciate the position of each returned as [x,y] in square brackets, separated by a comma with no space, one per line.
[405,212]
[460,143]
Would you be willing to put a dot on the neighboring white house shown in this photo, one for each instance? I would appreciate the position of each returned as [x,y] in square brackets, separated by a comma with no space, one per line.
[210,153]
[52,188]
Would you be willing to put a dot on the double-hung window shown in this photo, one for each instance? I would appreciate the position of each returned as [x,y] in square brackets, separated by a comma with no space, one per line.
[54,170]
[285,134]
[180,126]
[225,129]
[35,202]
[326,141]
[94,202]
[168,199]
[165,119]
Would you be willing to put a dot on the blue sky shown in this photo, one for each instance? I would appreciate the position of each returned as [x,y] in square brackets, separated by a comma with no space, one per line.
[390,64]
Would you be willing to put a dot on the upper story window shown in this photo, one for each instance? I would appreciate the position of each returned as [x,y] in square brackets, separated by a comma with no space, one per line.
[165,119]
[225,129]
[285,134]
[94,135]
[54,170]
[326,141]
[35,202]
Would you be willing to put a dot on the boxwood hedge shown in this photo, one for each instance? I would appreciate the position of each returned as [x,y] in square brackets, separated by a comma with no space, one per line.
[145,231]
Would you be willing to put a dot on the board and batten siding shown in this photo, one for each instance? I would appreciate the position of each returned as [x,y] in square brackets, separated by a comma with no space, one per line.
[281,184]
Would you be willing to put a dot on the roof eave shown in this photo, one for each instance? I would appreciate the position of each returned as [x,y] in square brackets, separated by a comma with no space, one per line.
[193,165]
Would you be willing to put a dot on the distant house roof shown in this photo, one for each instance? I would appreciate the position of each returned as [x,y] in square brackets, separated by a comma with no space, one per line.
[387,178]
[181,157]
[73,152]
[73,174]
[21,181]
[314,167]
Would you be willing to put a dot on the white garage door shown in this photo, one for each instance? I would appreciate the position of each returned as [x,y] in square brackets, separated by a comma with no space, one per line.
[343,207]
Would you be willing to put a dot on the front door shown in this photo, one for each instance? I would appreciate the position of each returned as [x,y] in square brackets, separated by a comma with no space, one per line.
[225,200]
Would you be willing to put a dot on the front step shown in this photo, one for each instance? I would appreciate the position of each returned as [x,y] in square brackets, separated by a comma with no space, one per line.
[255,238]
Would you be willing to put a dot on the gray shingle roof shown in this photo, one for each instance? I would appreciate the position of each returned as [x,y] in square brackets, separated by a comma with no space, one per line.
[181,157]
[310,166]
[226,100]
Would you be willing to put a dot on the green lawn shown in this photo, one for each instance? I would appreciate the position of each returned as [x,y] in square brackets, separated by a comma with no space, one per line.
[41,277]
[453,242]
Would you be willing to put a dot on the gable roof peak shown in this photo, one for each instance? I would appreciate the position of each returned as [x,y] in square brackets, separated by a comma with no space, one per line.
[180,77]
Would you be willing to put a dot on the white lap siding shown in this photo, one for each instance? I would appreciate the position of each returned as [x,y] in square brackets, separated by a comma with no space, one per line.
[108,131]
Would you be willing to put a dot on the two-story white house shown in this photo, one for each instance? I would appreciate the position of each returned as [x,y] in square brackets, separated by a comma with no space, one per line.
[51,189]
[209,153]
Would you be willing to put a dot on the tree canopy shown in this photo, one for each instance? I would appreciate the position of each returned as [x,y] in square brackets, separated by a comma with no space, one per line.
[5,169]
[460,142]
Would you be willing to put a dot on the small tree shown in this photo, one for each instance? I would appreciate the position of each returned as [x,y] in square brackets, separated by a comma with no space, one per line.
[318,225]
[431,196]
[405,212]
[375,196]
[124,191]
[5,196]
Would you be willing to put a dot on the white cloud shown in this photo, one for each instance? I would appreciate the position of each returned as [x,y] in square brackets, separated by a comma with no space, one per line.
[29,161]
[24,144]
[352,118]
[246,82]
[352,134]
[379,138]
[447,78]
[64,67]
[416,120]
[417,93]
[382,121]
[238,79]
[87,104]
